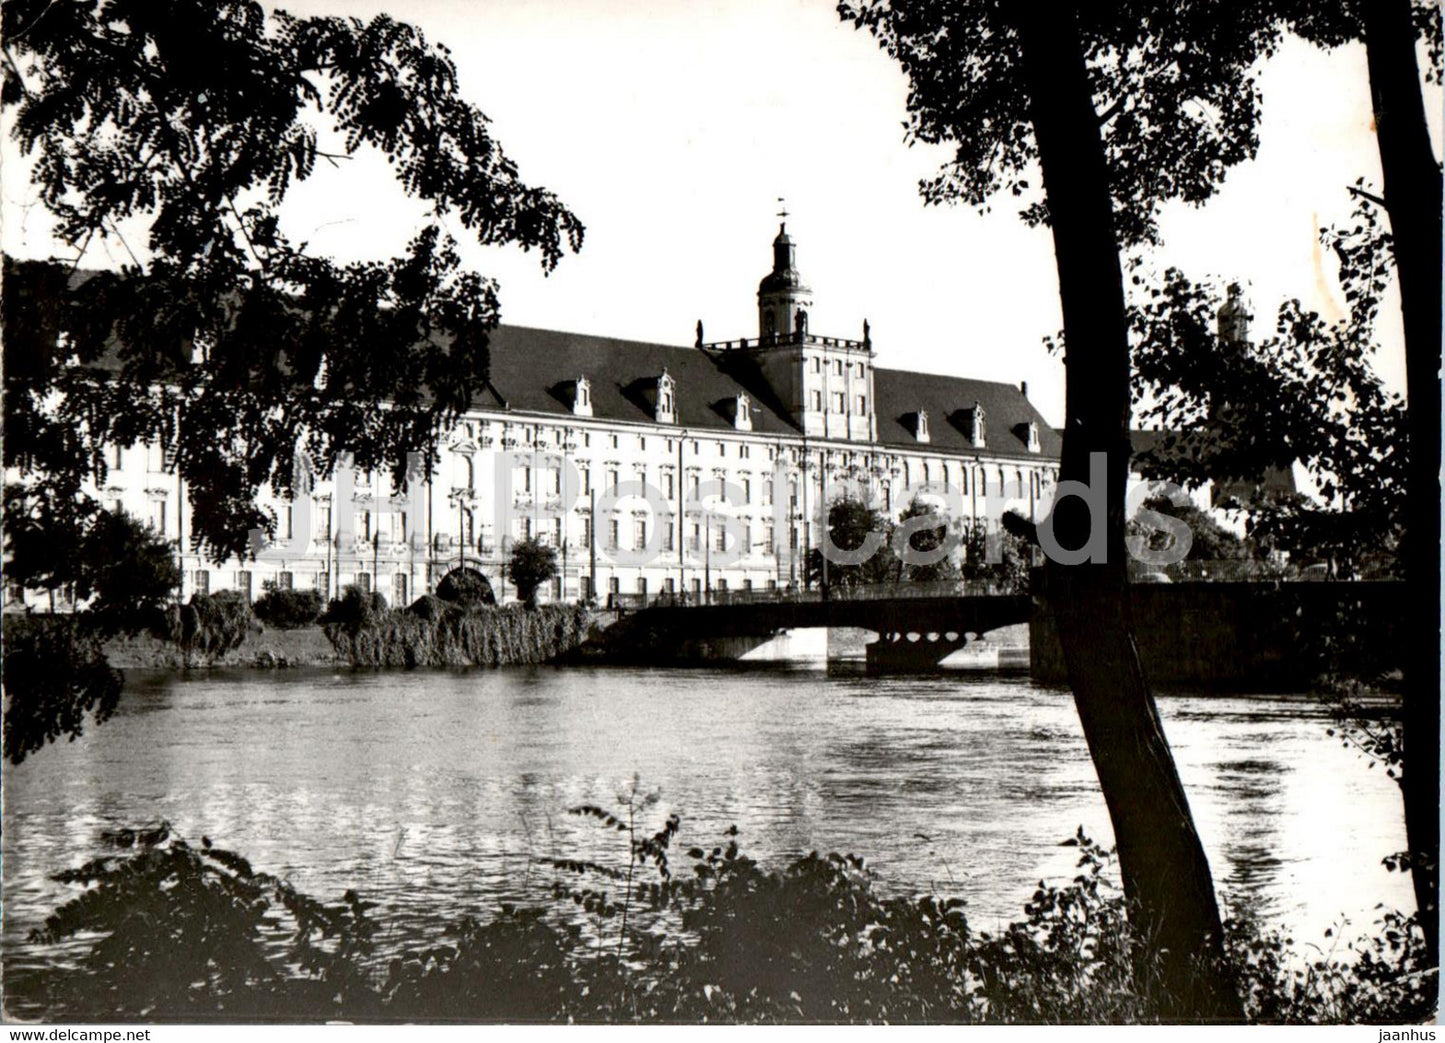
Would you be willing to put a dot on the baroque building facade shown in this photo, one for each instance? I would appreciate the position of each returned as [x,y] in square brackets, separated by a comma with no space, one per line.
[651,468]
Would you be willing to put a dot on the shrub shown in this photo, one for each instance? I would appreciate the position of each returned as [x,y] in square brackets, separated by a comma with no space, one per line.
[210,624]
[467,588]
[288,609]
[429,607]
[646,933]
[133,573]
[189,933]
[433,632]
[355,608]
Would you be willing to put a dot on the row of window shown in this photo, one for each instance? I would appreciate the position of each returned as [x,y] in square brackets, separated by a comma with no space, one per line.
[854,369]
[393,524]
[544,436]
[549,481]
[401,584]
[840,403]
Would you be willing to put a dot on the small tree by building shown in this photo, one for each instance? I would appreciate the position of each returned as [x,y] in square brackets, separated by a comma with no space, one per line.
[531,564]
[119,573]
[122,571]
[857,531]
[927,537]
[1000,558]
[1209,543]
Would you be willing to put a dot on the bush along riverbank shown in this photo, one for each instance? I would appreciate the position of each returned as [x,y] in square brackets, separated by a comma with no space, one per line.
[434,632]
[356,630]
[652,934]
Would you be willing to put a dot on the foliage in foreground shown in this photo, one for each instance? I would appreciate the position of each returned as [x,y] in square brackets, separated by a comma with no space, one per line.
[55,674]
[190,933]
[117,570]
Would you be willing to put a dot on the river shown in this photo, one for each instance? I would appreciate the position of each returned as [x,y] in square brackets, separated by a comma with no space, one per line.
[432,792]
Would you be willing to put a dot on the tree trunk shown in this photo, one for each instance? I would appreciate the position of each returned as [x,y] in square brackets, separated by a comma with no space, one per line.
[1413,200]
[1165,872]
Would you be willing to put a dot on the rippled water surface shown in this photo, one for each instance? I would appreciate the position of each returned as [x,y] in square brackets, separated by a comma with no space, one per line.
[432,791]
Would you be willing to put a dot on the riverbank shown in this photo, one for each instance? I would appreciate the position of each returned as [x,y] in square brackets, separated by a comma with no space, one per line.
[511,635]
[267,649]
[271,648]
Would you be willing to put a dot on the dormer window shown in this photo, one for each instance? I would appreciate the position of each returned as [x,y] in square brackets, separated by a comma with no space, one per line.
[582,397]
[977,428]
[743,413]
[666,412]
[1031,437]
[920,426]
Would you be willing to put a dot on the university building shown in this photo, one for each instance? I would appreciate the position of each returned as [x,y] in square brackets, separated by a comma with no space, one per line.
[651,468]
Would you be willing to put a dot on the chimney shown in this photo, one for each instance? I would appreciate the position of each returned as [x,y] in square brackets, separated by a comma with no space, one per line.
[1024,388]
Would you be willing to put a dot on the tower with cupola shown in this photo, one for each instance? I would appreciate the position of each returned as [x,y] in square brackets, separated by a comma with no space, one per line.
[826,382]
[783,300]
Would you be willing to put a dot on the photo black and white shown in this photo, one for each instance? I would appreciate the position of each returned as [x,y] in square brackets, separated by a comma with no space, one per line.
[865,512]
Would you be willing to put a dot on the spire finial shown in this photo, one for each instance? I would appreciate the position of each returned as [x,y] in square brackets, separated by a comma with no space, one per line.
[783,209]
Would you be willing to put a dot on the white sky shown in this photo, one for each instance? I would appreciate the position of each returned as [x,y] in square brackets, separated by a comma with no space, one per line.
[671,128]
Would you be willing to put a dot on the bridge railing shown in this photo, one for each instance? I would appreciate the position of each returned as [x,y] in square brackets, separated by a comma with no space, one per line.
[1241,571]
[794,595]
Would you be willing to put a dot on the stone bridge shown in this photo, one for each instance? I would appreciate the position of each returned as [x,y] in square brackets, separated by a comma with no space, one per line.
[918,624]
[1259,635]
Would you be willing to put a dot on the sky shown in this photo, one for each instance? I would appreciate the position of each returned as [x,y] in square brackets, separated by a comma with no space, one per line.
[672,128]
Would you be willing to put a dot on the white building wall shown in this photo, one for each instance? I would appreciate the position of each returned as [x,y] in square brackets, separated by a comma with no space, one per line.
[499,477]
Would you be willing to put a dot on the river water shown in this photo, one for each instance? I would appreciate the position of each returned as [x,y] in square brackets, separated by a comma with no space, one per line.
[433,792]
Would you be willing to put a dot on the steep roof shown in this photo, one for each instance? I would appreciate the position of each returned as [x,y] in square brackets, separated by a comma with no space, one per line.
[533,370]
[948,401]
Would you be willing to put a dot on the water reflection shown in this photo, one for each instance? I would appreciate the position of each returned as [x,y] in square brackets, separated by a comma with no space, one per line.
[433,793]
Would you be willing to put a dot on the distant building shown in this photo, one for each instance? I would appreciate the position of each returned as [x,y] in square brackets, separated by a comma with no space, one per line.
[650,467]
